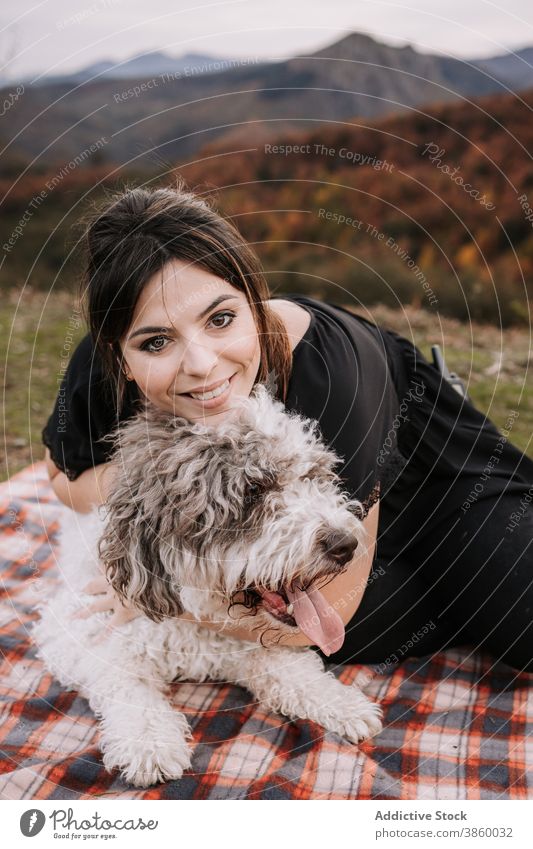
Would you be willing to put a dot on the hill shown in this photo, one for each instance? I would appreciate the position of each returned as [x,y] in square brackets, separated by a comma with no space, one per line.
[160,117]
[432,208]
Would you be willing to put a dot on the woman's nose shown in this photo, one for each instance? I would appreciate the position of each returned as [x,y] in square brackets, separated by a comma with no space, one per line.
[197,360]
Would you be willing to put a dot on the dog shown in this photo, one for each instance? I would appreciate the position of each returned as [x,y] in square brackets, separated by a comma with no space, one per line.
[247,518]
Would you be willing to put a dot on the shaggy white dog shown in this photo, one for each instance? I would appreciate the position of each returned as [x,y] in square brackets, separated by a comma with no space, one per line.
[245,518]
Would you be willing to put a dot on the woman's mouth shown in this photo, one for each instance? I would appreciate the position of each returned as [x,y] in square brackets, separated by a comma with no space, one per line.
[212,399]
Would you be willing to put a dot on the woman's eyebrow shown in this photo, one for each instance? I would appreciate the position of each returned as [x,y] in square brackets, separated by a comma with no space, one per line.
[159,329]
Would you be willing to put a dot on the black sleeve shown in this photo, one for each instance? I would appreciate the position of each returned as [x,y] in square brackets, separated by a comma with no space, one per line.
[342,379]
[81,415]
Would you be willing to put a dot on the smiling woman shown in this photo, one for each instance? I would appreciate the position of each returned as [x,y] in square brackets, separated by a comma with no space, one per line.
[200,357]
[179,314]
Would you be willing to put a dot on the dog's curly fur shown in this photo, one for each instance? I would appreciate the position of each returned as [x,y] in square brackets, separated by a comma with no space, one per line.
[202,519]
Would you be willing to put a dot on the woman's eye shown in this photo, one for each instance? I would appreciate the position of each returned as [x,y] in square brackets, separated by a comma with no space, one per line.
[150,345]
[229,315]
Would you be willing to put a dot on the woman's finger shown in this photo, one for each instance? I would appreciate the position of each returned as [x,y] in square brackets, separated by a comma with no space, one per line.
[108,602]
[121,617]
[97,585]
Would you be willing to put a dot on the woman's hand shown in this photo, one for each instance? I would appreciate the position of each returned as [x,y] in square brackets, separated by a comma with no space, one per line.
[108,601]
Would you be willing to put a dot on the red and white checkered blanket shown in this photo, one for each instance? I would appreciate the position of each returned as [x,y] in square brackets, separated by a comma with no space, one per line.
[456,727]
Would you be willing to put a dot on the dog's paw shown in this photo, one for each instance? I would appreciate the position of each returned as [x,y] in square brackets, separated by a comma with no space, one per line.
[363,725]
[356,718]
[149,764]
[148,752]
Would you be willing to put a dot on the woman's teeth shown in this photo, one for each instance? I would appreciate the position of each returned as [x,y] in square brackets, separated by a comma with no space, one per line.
[213,394]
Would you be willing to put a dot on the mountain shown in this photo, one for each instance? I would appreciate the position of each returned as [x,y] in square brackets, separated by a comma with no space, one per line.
[143,65]
[402,209]
[165,116]
[517,67]
[415,74]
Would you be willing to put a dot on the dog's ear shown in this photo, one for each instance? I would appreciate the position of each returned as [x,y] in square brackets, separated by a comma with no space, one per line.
[134,555]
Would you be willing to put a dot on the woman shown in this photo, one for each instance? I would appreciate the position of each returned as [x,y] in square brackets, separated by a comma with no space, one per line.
[179,312]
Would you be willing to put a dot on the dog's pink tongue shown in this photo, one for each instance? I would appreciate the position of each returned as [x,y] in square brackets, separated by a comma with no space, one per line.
[317,619]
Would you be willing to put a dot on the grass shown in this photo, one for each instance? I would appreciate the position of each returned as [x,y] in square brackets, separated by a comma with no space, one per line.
[38,332]
[33,330]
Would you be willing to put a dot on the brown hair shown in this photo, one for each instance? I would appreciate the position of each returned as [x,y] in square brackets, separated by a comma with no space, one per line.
[135,233]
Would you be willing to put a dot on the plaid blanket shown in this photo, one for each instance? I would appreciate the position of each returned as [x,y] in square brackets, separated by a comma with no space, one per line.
[456,726]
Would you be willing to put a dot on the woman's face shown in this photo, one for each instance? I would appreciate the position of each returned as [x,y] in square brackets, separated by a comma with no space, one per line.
[192,332]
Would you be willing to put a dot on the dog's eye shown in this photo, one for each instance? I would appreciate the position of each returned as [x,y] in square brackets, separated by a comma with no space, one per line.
[253,492]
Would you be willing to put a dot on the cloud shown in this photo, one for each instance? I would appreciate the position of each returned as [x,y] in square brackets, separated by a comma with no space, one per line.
[64,35]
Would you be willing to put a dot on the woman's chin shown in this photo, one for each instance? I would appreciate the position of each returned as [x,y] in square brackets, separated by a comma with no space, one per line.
[207,417]
[219,417]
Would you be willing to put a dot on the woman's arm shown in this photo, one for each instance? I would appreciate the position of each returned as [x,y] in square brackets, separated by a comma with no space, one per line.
[89,488]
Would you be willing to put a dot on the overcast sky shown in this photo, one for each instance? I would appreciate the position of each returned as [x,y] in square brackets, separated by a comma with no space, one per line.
[55,36]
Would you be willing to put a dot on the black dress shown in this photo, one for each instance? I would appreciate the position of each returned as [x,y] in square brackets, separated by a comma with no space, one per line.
[405,436]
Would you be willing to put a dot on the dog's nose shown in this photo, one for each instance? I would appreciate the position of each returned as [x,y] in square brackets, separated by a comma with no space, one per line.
[340,547]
